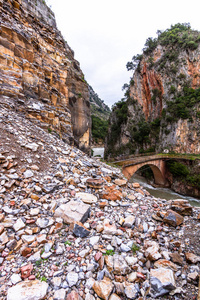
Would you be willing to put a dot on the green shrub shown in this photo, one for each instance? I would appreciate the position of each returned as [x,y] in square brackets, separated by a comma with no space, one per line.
[177,169]
[99,128]
[135,248]
[109,252]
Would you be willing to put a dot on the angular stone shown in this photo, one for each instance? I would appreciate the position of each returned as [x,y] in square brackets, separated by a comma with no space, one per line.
[109,227]
[73,211]
[131,261]
[120,266]
[42,238]
[28,239]
[34,211]
[120,182]
[129,221]
[119,287]
[19,224]
[136,185]
[176,258]
[26,271]
[95,183]
[80,230]
[193,276]
[114,297]
[1,229]
[15,278]
[103,288]
[59,294]
[182,207]
[32,146]
[109,260]
[111,193]
[162,282]
[3,238]
[132,277]
[163,263]
[28,174]
[87,198]
[44,222]
[25,251]
[73,296]
[94,240]
[152,250]
[172,218]
[131,291]
[72,278]
[28,290]
[192,258]
[11,244]
[88,296]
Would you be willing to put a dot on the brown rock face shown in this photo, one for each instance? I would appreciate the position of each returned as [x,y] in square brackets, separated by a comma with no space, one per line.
[39,76]
[161,107]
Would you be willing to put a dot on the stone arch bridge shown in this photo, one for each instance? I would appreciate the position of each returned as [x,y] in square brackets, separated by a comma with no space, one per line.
[157,163]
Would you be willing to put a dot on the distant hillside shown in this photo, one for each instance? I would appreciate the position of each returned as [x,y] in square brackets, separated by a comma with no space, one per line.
[98,107]
[100,113]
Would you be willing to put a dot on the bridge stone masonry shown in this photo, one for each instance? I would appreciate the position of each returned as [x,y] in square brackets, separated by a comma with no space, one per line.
[156,162]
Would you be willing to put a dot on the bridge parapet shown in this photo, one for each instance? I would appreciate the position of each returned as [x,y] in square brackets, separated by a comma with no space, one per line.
[156,162]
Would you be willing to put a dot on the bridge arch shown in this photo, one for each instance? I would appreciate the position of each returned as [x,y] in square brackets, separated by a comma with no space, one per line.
[157,167]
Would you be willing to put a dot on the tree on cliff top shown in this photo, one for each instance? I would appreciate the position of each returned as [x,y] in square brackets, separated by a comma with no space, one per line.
[178,36]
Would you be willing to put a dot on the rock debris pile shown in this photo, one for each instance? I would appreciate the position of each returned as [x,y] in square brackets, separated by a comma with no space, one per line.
[73,228]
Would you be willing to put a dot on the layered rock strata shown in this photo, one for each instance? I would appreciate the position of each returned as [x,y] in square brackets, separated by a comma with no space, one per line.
[38,73]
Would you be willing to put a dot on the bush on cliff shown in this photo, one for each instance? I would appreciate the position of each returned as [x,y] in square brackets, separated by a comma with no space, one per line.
[99,128]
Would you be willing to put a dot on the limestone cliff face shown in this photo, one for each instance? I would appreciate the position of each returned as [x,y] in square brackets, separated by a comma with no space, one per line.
[38,73]
[163,100]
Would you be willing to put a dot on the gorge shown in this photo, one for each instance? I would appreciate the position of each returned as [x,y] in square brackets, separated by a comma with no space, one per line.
[160,111]
[71,226]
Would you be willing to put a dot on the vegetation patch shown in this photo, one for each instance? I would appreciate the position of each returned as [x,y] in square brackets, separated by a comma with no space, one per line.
[99,128]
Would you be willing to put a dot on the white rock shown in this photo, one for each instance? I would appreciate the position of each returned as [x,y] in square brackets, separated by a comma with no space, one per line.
[28,238]
[28,174]
[129,221]
[84,252]
[87,198]
[89,297]
[15,278]
[59,294]
[73,211]
[34,211]
[19,225]
[28,290]
[44,222]
[132,277]
[162,281]
[131,260]
[32,146]
[72,278]
[94,240]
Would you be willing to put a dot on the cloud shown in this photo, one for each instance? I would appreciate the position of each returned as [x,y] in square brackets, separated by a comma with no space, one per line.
[106,34]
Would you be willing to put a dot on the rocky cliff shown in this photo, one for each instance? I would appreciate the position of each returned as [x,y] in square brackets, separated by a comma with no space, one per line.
[161,108]
[39,76]
[98,107]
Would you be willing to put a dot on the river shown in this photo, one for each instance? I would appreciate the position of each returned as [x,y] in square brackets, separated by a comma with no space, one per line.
[98,152]
[163,193]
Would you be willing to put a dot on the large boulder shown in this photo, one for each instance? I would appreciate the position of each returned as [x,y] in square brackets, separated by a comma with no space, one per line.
[73,211]
[28,290]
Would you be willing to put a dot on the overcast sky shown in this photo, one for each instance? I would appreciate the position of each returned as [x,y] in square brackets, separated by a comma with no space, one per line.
[106,34]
